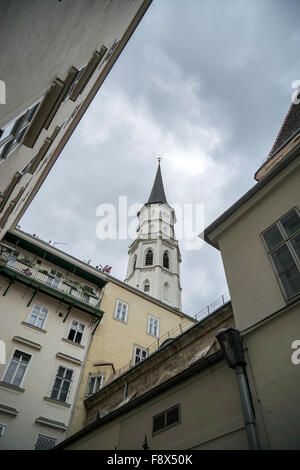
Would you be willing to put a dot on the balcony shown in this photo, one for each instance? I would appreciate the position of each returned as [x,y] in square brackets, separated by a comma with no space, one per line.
[37,277]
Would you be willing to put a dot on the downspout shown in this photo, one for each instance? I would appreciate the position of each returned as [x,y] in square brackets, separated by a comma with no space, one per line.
[231,344]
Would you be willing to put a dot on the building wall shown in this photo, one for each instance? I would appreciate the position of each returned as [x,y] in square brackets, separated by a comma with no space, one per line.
[275,380]
[114,341]
[65,35]
[253,285]
[211,418]
[62,35]
[156,232]
[21,430]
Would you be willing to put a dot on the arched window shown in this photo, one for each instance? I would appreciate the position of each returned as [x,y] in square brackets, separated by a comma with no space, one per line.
[149,257]
[166,263]
[134,263]
[166,291]
[146,286]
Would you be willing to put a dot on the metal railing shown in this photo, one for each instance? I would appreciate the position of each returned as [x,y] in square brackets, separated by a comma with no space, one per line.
[173,333]
[51,281]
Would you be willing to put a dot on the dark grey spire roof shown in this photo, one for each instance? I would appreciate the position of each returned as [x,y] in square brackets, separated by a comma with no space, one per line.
[158,192]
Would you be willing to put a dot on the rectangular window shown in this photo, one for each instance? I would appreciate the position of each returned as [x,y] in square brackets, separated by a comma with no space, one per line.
[2,430]
[38,316]
[121,311]
[16,370]
[166,419]
[94,384]
[54,279]
[14,131]
[62,384]
[153,326]
[44,442]
[76,332]
[139,354]
[282,241]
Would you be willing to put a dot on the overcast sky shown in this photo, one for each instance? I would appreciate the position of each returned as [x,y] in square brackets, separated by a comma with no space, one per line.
[205,85]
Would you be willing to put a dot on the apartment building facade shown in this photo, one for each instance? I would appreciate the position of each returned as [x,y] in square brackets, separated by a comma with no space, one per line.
[48,319]
[68,329]
[51,74]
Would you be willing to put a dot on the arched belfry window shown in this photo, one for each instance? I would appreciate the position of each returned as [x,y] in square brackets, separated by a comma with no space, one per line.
[146,286]
[149,257]
[166,263]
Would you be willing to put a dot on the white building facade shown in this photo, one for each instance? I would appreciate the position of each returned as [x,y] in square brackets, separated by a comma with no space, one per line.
[154,257]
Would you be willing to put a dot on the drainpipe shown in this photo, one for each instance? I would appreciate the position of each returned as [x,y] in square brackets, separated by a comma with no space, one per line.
[231,344]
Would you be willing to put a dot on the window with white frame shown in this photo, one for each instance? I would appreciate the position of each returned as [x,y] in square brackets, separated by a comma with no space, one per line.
[139,354]
[44,442]
[76,332]
[282,241]
[62,384]
[17,367]
[2,430]
[13,132]
[153,326]
[121,311]
[38,316]
[94,384]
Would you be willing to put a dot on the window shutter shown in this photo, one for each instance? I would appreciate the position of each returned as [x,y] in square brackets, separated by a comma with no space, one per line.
[43,113]
[40,155]
[88,72]
[69,80]
[43,150]
[8,191]
[10,208]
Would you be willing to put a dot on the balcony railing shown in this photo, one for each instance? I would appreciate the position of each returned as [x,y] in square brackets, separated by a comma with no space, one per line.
[50,280]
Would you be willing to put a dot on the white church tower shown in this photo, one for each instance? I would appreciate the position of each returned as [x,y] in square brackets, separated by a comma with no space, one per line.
[154,257]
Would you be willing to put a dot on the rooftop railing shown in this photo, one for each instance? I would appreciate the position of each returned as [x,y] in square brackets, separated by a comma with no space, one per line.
[172,334]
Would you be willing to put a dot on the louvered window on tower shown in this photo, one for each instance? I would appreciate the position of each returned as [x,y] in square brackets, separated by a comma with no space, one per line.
[166,260]
[149,258]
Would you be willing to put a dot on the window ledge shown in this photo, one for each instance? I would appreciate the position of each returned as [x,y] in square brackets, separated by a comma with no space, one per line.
[51,423]
[8,410]
[33,327]
[12,387]
[73,343]
[57,402]
[120,321]
[27,342]
[68,358]
[152,336]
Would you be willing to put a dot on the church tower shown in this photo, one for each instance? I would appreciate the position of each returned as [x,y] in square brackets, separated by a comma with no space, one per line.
[154,257]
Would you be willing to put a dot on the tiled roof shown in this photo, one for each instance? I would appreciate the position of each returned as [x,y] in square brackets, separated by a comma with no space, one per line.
[289,126]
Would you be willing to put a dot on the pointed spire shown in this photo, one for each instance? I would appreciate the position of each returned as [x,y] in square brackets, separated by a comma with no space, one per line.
[158,192]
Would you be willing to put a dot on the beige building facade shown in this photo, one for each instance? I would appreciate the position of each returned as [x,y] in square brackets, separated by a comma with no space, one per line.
[49,315]
[51,73]
[68,329]
[124,338]
[259,239]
